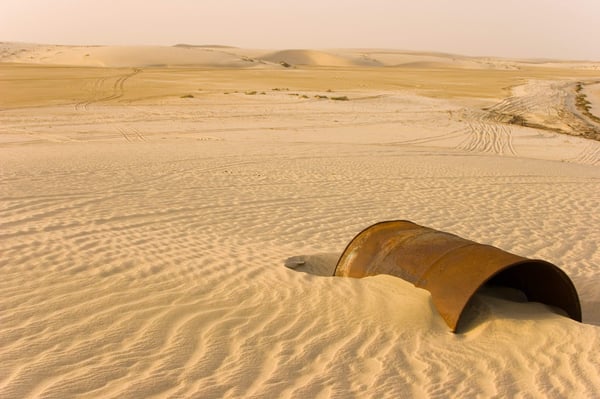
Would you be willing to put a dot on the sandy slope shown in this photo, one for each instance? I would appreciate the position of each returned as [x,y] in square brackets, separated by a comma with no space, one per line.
[592,93]
[128,56]
[147,216]
[232,57]
[318,58]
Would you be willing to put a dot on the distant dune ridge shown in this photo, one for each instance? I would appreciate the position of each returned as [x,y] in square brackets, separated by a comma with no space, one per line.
[122,56]
[226,56]
[317,58]
[170,219]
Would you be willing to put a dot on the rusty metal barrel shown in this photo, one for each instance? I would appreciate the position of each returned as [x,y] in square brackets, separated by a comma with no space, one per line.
[452,268]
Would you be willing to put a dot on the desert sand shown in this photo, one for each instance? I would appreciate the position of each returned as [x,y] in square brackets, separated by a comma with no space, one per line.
[170,218]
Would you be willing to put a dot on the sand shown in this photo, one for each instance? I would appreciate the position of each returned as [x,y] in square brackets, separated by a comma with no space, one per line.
[592,94]
[171,231]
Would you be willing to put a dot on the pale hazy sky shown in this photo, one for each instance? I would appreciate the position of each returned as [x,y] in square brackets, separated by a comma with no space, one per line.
[512,28]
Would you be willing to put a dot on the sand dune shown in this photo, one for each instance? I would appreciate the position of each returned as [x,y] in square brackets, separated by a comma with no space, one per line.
[591,92]
[431,60]
[125,56]
[317,58]
[171,232]
[179,55]
[216,56]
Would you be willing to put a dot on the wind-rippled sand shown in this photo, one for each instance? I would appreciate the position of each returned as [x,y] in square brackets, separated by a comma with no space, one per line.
[159,246]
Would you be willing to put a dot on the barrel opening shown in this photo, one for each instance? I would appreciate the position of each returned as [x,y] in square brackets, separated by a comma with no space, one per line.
[542,282]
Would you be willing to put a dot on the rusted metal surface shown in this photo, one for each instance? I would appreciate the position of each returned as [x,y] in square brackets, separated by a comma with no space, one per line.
[452,268]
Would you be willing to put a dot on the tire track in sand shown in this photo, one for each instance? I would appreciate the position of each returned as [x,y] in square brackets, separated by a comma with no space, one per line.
[589,155]
[132,135]
[116,91]
[488,136]
[432,139]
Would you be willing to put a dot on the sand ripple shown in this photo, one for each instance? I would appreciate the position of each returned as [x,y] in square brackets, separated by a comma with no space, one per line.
[144,244]
[170,280]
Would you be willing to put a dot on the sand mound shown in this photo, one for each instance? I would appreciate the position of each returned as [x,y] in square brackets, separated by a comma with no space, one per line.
[179,55]
[233,57]
[424,60]
[316,58]
[125,56]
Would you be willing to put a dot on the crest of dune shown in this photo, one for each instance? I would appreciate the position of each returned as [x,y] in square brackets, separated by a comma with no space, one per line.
[316,58]
[123,56]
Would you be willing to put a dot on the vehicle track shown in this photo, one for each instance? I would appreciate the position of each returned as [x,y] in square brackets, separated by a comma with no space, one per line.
[132,135]
[545,105]
[117,89]
[488,135]
[589,155]
[537,104]
[430,139]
